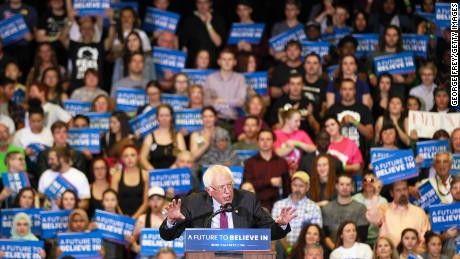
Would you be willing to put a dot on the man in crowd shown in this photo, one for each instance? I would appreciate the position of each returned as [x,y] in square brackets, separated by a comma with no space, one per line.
[135,78]
[6,147]
[250,130]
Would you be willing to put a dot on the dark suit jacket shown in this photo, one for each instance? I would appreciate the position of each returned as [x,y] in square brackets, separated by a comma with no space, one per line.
[247,213]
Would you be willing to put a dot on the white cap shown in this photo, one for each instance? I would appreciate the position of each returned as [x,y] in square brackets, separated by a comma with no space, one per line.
[156,190]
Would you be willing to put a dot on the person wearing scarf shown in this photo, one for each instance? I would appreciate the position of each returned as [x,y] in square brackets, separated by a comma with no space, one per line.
[221,151]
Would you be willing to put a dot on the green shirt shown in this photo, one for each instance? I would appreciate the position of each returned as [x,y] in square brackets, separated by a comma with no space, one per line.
[11,148]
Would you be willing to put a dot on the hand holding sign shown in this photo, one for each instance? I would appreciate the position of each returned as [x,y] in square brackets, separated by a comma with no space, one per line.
[173,211]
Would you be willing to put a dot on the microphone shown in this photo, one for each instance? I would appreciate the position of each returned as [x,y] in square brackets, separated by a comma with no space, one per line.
[228,207]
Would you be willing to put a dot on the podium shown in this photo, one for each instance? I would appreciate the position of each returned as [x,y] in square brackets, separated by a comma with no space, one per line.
[206,243]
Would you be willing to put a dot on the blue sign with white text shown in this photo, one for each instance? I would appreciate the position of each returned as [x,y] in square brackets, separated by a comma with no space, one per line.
[82,139]
[257,81]
[189,119]
[367,42]
[455,169]
[151,242]
[54,222]
[91,7]
[13,29]
[398,64]
[278,42]
[197,76]
[319,47]
[427,150]
[378,153]
[16,181]
[144,123]
[245,154]
[113,226]
[416,43]
[252,33]
[58,186]
[176,101]
[129,99]
[231,239]
[336,36]
[444,216]
[168,59]
[80,245]
[14,249]
[8,216]
[178,178]
[331,71]
[428,196]
[443,15]
[397,167]
[99,120]
[75,107]
[156,19]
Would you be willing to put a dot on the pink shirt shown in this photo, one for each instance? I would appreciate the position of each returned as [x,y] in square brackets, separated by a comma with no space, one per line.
[296,153]
[346,151]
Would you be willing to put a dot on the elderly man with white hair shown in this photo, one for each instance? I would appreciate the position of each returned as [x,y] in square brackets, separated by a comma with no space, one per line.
[245,210]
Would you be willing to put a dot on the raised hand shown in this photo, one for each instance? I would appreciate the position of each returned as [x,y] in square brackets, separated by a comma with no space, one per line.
[286,215]
[173,211]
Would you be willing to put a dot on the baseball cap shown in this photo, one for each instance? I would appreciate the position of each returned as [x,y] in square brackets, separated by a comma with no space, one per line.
[302,176]
[314,24]
[156,190]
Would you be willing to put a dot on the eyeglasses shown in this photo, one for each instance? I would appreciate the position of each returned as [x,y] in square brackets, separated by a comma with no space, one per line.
[221,188]
[368,180]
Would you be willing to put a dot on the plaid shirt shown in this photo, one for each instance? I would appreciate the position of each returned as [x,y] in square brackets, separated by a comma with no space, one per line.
[307,210]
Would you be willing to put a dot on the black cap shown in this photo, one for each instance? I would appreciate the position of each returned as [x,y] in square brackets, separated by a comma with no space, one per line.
[314,24]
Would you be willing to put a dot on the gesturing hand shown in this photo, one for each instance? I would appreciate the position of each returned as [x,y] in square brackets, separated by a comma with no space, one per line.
[173,209]
[286,215]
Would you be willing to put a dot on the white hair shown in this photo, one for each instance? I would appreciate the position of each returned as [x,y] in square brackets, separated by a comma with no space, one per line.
[212,171]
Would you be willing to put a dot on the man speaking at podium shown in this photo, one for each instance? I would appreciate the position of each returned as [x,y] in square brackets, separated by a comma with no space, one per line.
[222,206]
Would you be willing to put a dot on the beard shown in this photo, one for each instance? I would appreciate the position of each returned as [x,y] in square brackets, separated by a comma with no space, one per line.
[403,200]
[4,142]
[56,167]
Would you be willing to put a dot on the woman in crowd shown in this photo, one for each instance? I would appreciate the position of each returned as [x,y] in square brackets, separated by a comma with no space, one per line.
[413,103]
[348,70]
[45,58]
[255,107]
[322,182]
[220,150]
[196,97]
[381,95]
[91,90]
[311,234]
[101,104]
[69,200]
[202,60]
[433,246]
[347,245]
[385,249]
[360,22]
[409,243]
[131,183]
[154,98]
[116,137]
[200,141]
[342,147]
[394,115]
[246,63]
[110,204]
[159,149]
[291,141]
[27,198]
[181,84]
[51,79]
[101,174]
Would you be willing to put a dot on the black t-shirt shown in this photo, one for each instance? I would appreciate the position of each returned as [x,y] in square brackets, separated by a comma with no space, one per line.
[84,56]
[316,94]
[282,72]
[358,111]
[51,23]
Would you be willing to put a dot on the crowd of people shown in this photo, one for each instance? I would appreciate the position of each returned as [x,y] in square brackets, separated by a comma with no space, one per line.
[312,133]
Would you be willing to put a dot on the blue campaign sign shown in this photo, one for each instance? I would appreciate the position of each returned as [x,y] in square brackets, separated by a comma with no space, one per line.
[378,153]
[367,42]
[156,19]
[252,33]
[428,196]
[54,222]
[197,76]
[257,81]
[91,7]
[245,154]
[129,99]
[336,36]
[444,216]
[164,59]
[19,96]
[443,16]
[58,186]
[85,138]
[75,107]
[178,178]
[188,119]
[427,150]
[177,102]
[455,169]
[151,242]
[113,226]
[231,239]
[458,248]
[278,42]
[144,123]
[431,17]
[397,167]
[399,64]
[99,120]
[80,245]
[37,148]
[319,47]
[331,71]
[412,256]
[13,29]
[416,43]
[13,249]
[16,181]
[8,216]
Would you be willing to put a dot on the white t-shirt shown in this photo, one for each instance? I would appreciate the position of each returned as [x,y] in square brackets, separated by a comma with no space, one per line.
[357,251]
[74,176]
[7,121]
[24,137]
[53,113]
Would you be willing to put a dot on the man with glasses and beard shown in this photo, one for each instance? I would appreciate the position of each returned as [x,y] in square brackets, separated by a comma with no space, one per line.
[60,163]
[394,217]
